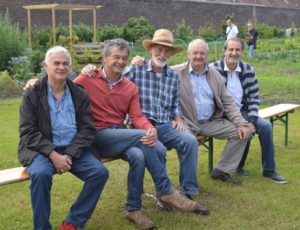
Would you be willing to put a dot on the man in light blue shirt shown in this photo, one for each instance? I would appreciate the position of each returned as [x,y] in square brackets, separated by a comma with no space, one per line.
[56,131]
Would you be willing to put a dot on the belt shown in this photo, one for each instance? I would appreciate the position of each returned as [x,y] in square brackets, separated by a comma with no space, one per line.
[154,123]
[203,121]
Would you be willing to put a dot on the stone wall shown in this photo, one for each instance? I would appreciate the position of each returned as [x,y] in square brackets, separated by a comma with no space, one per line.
[161,13]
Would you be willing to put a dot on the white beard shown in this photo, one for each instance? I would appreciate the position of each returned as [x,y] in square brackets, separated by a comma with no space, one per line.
[159,63]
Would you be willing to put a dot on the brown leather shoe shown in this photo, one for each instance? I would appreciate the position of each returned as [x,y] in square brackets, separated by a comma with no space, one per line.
[180,201]
[139,219]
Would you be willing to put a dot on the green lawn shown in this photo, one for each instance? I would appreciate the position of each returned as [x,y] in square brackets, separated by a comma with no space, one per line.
[257,204]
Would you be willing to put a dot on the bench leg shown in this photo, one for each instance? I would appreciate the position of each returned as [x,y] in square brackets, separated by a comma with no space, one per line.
[210,154]
[284,119]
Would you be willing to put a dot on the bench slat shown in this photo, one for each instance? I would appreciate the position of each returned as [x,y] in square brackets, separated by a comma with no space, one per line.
[13,175]
[18,174]
[277,110]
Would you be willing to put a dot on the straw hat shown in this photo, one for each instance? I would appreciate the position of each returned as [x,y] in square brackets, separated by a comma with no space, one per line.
[162,37]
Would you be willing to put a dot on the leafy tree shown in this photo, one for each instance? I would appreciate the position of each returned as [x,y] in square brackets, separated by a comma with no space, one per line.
[137,29]
[183,31]
[12,41]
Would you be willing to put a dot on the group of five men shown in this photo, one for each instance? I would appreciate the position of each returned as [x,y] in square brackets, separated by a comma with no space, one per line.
[168,108]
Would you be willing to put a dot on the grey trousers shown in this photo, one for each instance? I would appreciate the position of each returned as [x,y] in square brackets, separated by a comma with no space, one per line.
[233,151]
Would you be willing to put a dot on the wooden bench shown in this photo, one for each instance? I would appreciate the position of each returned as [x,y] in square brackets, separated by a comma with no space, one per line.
[279,112]
[88,53]
[208,143]
[18,174]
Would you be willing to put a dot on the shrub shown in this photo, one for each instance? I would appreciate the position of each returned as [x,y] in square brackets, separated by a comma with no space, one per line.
[36,58]
[20,69]
[6,83]
[137,29]
[42,38]
[61,30]
[108,32]
[183,31]
[209,33]
[267,31]
[83,32]
[12,41]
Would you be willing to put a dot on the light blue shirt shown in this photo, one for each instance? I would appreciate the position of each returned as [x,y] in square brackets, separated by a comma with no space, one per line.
[234,85]
[63,120]
[204,98]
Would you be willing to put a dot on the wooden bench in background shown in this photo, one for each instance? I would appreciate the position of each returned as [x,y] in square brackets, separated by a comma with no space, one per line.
[88,53]
[279,112]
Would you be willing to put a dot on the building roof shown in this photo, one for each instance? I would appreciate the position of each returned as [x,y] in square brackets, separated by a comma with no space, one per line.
[294,4]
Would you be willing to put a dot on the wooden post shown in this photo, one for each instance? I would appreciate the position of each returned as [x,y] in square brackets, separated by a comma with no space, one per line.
[70,26]
[53,27]
[29,28]
[94,23]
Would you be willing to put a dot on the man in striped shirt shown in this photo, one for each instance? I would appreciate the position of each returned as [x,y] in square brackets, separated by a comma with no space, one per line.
[241,82]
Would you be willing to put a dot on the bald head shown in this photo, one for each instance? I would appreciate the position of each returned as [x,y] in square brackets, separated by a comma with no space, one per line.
[197,54]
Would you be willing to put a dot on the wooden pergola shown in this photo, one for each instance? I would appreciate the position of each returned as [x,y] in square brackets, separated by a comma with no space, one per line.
[53,8]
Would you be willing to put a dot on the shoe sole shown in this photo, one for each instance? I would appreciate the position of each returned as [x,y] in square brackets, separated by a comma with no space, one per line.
[197,211]
[277,182]
[130,220]
[221,179]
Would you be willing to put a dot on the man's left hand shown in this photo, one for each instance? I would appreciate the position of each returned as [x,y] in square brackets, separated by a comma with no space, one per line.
[178,125]
[150,138]
[243,132]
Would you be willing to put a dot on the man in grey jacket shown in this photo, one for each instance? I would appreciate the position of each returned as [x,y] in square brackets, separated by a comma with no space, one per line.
[207,109]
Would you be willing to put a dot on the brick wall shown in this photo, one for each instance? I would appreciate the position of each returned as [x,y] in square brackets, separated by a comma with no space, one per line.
[161,13]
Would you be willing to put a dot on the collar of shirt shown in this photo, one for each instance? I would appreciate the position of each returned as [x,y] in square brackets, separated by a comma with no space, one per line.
[66,88]
[111,84]
[237,69]
[191,70]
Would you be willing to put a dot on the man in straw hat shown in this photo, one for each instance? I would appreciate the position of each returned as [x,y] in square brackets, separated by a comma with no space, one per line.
[159,98]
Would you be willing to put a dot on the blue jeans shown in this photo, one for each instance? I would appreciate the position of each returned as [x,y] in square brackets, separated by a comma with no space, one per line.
[87,168]
[265,133]
[186,145]
[125,143]
[251,50]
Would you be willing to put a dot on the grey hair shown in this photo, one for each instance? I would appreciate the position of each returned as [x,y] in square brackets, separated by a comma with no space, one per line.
[119,42]
[55,50]
[200,41]
[236,40]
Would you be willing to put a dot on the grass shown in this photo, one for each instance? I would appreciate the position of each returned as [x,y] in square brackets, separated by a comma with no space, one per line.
[257,204]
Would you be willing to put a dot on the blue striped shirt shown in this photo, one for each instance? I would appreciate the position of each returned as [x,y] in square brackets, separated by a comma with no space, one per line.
[158,93]
[204,98]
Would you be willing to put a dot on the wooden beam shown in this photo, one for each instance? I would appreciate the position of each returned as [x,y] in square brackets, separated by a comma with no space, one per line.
[29,28]
[95,25]
[70,26]
[53,27]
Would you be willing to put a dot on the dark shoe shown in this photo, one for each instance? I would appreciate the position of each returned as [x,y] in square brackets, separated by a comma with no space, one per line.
[66,226]
[242,172]
[217,174]
[139,219]
[275,177]
[202,210]
[163,206]
[181,202]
